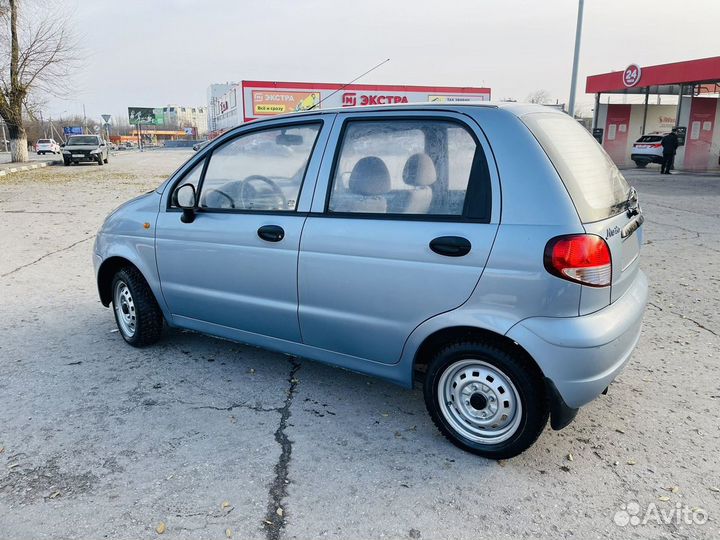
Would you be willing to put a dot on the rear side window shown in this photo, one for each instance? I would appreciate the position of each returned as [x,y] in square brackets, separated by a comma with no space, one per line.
[403,166]
[595,184]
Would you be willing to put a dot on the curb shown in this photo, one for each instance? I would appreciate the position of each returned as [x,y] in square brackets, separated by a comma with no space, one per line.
[11,170]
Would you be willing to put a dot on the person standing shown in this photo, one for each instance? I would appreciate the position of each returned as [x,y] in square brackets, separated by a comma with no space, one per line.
[670,144]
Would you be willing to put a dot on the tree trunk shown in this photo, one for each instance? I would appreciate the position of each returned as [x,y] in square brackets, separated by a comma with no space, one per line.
[18,144]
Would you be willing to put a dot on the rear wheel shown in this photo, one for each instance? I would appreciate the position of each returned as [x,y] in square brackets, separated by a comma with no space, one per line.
[137,313]
[486,399]
[641,164]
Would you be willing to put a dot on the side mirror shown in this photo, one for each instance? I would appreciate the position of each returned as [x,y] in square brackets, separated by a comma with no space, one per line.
[185,198]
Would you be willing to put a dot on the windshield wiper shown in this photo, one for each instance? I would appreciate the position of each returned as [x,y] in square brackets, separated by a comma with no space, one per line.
[630,204]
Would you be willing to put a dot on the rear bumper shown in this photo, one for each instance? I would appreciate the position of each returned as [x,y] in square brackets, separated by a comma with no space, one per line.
[650,158]
[581,356]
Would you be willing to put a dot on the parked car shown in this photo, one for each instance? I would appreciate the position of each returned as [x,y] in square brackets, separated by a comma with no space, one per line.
[79,148]
[394,242]
[46,146]
[200,145]
[647,149]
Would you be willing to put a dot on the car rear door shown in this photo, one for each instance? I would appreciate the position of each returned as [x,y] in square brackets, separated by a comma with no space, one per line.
[234,267]
[403,220]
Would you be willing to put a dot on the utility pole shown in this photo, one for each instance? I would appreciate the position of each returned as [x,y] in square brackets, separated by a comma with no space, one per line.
[576,57]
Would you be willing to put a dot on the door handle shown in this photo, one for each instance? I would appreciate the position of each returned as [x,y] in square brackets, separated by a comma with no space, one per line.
[271,233]
[451,246]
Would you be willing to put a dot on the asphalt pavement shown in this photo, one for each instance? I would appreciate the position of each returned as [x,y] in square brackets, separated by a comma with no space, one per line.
[200,438]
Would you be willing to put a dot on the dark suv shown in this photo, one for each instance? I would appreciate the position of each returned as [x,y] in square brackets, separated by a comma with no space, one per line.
[85,148]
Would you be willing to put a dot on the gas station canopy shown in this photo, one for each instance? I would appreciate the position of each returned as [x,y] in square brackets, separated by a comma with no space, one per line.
[694,112]
[661,79]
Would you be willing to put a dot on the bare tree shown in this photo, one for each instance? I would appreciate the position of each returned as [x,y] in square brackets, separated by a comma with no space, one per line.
[36,50]
[539,96]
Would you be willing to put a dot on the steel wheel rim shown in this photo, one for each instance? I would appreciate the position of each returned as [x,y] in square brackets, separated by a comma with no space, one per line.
[124,309]
[479,401]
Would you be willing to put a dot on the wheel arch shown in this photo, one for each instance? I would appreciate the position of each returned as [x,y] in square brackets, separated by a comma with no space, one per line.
[434,342]
[107,270]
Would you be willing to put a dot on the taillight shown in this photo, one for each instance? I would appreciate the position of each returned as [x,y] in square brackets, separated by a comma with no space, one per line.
[655,145]
[582,258]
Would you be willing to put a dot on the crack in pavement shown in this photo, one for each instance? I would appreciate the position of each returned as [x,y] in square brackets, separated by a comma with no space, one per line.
[698,233]
[256,408]
[679,209]
[275,516]
[6,274]
[696,323]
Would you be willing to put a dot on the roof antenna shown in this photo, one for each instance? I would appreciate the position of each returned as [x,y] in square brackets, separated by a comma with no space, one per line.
[348,84]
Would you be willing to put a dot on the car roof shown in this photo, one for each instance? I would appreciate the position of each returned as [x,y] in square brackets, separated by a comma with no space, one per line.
[515,108]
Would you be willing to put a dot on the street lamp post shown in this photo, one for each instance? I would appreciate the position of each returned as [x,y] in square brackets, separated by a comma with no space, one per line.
[576,57]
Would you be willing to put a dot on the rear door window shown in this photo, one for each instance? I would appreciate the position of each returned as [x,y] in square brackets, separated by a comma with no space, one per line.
[405,166]
[594,183]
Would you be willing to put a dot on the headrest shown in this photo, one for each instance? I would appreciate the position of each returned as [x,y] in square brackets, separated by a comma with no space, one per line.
[370,176]
[419,170]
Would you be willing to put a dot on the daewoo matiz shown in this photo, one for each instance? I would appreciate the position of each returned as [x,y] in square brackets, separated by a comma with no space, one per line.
[488,251]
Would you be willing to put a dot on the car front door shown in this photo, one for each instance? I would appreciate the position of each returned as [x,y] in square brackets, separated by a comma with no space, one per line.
[402,223]
[234,266]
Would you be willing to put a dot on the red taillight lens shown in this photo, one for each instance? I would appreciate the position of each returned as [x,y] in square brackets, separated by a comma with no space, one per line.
[658,145]
[582,258]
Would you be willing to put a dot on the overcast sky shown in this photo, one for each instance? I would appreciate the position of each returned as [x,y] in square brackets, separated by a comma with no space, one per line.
[156,52]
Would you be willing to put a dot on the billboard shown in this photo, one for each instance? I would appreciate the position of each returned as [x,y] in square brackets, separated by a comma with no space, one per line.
[72,130]
[265,103]
[265,98]
[146,116]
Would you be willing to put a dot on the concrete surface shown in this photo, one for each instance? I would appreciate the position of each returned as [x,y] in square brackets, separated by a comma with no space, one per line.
[101,440]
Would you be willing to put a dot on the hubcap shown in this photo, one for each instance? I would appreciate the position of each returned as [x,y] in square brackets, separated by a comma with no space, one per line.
[124,309]
[479,401]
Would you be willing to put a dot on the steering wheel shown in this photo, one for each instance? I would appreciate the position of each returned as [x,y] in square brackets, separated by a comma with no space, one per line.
[220,192]
[276,191]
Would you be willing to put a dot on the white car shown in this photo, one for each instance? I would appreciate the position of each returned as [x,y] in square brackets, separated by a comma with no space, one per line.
[47,146]
[647,149]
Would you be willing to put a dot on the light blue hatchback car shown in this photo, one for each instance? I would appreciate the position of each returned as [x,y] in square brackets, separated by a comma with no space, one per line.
[489,251]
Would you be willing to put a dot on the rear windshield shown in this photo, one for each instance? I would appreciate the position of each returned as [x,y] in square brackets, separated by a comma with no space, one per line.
[44,141]
[83,140]
[650,138]
[594,182]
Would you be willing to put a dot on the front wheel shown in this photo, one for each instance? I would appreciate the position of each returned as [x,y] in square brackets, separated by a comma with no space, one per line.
[107,158]
[486,399]
[137,313]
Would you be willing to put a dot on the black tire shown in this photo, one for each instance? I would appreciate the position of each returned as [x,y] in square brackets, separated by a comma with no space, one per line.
[525,425]
[107,158]
[641,164]
[148,321]
[100,160]
[66,162]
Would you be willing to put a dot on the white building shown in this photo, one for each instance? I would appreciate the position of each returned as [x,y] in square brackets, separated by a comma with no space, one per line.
[214,93]
[183,117]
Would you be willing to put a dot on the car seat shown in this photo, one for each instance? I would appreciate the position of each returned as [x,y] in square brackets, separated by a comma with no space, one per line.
[368,185]
[418,174]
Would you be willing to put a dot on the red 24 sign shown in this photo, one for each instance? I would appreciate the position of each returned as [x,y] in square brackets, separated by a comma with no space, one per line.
[631,75]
